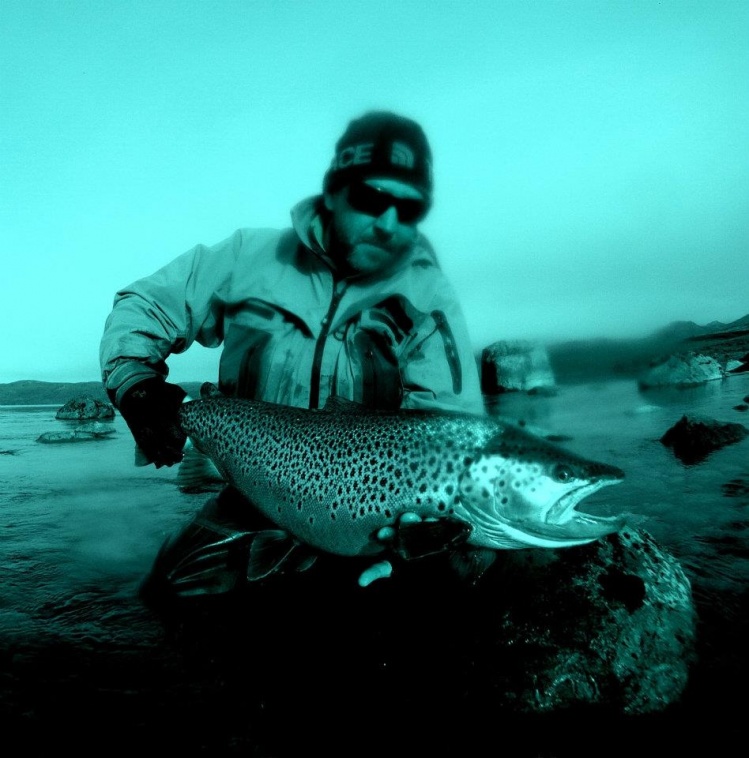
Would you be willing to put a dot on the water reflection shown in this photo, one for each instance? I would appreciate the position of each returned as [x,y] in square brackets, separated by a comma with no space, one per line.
[691,395]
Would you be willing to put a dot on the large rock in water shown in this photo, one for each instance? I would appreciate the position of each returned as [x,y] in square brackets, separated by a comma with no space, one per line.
[84,408]
[83,433]
[610,625]
[516,365]
[693,438]
[605,628]
[682,370]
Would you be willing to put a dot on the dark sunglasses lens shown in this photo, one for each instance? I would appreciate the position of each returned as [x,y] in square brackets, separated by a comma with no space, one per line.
[366,199]
[410,210]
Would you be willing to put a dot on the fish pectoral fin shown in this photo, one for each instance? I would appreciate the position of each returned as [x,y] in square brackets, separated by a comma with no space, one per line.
[421,538]
[472,564]
[274,550]
[300,558]
[197,472]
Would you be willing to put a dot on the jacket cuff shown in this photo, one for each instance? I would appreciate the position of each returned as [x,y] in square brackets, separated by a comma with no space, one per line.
[127,375]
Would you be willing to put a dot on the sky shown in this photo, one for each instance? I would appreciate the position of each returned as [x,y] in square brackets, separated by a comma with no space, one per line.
[591,158]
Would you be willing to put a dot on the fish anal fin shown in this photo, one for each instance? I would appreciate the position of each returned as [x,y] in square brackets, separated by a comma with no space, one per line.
[269,551]
[300,558]
[421,538]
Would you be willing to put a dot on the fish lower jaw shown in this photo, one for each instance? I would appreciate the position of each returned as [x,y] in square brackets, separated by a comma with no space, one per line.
[579,530]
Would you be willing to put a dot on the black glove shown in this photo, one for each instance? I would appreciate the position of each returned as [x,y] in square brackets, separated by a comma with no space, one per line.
[150,411]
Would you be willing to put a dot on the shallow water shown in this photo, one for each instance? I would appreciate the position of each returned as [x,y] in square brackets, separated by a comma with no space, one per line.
[81,525]
[699,512]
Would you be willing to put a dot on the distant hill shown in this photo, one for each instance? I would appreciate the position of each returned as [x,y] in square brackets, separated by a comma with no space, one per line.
[600,359]
[688,330]
[30,392]
[572,361]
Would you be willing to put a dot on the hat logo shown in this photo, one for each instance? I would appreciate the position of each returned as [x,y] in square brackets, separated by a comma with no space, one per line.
[354,155]
[402,155]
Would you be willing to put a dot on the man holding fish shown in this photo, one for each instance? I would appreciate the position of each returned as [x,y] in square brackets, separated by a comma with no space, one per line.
[349,301]
[349,419]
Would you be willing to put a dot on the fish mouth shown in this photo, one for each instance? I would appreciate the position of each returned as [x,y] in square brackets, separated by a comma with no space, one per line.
[562,525]
[565,524]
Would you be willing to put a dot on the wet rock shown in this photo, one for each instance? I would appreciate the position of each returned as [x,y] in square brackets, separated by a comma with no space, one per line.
[74,435]
[682,370]
[517,365]
[608,626]
[693,439]
[84,408]
[736,367]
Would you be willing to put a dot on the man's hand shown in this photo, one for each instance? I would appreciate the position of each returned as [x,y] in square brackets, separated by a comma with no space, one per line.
[150,411]
[414,537]
[388,534]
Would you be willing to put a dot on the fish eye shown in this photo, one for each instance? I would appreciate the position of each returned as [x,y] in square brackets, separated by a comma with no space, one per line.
[562,473]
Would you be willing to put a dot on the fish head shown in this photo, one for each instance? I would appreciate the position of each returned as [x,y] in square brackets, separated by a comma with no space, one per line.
[523,491]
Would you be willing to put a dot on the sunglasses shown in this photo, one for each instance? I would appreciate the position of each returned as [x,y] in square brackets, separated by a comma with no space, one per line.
[374,202]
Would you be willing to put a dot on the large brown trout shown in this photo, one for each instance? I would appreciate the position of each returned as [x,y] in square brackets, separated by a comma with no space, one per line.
[333,478]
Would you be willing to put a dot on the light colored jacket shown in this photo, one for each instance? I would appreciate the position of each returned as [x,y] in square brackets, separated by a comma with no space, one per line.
[293,334]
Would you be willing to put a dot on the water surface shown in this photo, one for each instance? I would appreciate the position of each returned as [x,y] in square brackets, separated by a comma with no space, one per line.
[81,524]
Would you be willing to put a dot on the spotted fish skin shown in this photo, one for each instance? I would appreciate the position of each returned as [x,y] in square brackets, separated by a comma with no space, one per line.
[334,477]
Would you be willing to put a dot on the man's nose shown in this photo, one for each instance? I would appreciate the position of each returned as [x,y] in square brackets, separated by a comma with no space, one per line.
[387,222]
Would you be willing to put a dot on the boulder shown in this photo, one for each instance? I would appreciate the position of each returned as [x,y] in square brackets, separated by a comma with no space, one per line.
[604,627]
[738,366]
[517,365]
[681,370]
[610,625]
[693,439]
[84,408]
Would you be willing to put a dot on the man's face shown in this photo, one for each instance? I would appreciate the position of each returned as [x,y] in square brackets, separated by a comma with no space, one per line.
[374,224]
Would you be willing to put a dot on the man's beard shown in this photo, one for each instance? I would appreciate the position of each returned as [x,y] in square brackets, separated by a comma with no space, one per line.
[366,256]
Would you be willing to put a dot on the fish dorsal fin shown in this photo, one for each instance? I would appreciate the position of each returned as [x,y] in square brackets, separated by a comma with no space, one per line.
[208,389]
[338,404]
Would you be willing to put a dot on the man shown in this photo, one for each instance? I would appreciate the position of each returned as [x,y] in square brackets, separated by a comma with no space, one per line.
[348,301]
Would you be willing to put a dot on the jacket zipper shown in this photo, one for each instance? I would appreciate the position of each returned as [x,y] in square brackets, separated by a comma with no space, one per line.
[314,390]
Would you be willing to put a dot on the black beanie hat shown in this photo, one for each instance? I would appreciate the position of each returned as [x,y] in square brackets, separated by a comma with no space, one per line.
[382,144]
